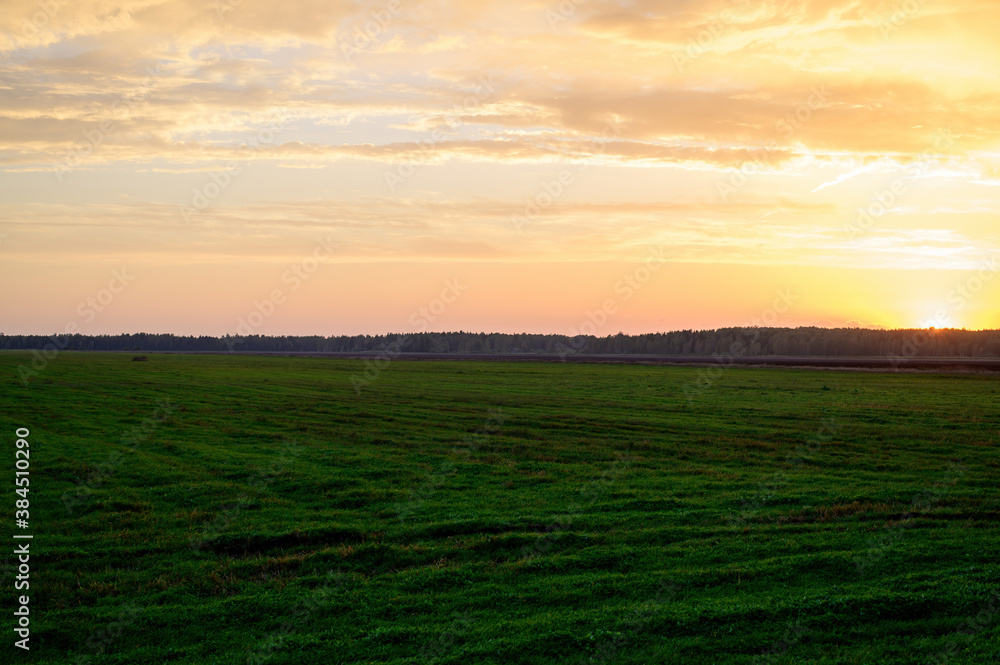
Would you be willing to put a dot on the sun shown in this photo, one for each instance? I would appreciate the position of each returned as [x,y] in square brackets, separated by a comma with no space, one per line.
[937,322]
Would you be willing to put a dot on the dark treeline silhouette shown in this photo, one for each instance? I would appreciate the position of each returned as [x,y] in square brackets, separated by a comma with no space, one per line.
[726,341]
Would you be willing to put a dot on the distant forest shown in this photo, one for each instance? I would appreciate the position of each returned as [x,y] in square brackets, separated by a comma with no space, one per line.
[732,341]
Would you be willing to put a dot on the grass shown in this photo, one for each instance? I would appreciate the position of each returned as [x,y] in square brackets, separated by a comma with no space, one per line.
[480,512]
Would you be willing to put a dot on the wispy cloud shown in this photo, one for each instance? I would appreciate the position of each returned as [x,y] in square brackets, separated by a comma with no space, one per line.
[112,114]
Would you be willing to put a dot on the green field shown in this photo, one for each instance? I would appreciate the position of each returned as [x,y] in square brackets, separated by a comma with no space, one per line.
[219,509]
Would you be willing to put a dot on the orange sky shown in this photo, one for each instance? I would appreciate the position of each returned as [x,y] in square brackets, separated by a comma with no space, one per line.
[338,167]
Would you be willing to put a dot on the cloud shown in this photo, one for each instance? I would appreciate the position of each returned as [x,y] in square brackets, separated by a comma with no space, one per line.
[418,230]
[691,91]
[262,57]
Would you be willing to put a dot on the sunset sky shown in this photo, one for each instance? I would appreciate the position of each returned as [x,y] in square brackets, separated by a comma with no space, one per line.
[343,167]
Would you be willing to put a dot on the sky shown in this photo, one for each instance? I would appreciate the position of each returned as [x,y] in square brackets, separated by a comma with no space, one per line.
[334,167]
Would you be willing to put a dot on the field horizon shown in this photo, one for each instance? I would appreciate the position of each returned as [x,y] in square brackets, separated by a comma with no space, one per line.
[251,509]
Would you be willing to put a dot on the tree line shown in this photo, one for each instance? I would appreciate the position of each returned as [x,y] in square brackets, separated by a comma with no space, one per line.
[732,341]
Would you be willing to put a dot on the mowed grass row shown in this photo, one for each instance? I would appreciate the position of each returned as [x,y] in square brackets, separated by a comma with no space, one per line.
[482,512]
